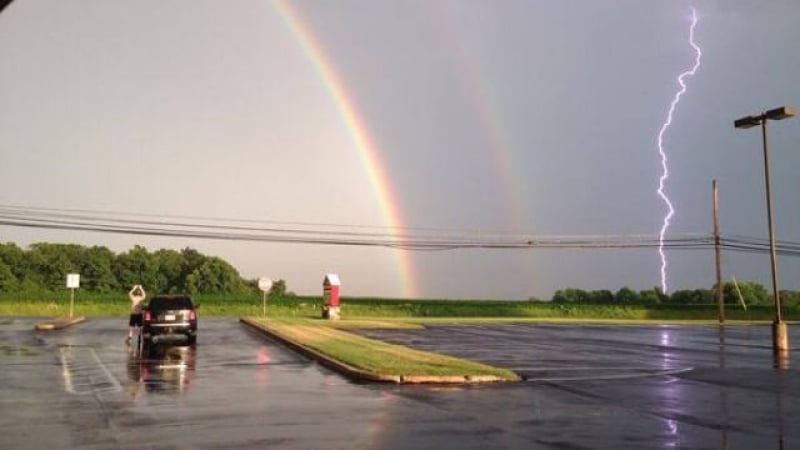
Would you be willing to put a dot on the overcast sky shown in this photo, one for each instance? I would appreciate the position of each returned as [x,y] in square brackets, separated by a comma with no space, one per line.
[535,117]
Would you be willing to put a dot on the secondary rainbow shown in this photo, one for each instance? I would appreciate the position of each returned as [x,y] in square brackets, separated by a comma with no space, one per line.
[476,90]
[357,128]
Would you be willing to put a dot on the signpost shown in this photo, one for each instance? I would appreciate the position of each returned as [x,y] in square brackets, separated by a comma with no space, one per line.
[265,284]
[73,282]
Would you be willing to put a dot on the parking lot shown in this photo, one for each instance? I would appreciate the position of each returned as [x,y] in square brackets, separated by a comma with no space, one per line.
[587,387]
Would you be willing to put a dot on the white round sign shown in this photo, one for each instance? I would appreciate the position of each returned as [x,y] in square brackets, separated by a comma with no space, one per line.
[265,284]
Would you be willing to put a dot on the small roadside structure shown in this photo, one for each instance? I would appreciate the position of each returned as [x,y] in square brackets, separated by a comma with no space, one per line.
[330,297]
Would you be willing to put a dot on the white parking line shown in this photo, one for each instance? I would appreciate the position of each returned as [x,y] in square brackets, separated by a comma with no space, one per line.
[84,373]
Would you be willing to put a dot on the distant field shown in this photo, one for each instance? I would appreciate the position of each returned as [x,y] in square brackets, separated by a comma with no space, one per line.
[118,305]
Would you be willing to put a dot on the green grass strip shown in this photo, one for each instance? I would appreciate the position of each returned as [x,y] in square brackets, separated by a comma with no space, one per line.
[377,357]
[373,323]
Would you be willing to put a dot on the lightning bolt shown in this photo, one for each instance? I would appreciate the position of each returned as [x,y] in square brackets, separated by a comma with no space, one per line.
[665,170]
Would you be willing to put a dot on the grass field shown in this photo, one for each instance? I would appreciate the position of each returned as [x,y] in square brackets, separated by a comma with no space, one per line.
[118,305]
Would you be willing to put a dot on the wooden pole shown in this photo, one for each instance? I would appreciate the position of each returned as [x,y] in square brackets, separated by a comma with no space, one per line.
[717,256]
[739,293]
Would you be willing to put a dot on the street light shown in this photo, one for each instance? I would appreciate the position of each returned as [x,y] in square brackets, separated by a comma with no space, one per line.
[780,336]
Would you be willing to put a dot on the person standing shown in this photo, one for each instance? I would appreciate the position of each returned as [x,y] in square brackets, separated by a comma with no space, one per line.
[137,296]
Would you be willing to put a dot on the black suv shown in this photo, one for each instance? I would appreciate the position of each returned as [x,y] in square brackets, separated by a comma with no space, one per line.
[167,317]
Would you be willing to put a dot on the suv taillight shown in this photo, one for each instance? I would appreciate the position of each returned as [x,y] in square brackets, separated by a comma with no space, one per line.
[147,316]
[192,315]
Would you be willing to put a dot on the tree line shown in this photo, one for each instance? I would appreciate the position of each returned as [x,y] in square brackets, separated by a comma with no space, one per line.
[42,267]
[742,292]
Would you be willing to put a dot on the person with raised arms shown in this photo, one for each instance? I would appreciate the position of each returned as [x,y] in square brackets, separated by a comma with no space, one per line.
[137,296]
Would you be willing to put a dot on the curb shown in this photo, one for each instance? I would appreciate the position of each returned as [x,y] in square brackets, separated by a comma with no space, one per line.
[364,376]
[344,369]
[57,324]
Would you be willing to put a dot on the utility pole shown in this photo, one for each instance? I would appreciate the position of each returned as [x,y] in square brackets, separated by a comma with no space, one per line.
[717,256]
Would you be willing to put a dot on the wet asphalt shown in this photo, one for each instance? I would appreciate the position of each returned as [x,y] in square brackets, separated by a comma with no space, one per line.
[587,387]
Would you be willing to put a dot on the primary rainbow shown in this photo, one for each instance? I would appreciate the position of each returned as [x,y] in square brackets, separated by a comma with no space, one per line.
[357,128]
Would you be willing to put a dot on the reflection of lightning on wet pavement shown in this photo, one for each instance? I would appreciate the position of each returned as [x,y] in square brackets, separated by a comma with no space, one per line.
[665,172]
[594,373]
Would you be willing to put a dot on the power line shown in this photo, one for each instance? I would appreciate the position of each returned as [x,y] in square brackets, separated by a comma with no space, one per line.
[403,238]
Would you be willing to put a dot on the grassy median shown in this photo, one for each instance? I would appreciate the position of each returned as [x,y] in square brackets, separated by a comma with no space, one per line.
[377,359]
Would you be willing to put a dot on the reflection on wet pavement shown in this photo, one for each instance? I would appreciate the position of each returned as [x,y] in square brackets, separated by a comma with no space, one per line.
[160,368]
[588,387]
[694,380]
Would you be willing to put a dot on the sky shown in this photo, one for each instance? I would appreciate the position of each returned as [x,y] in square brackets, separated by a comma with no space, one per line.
[534,118]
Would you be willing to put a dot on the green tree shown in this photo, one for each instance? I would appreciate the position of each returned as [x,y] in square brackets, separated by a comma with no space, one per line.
[8,282]
[681,297]
[16,259]
[650,297]
[570,295]
[692,297]
[790,299]
[169,278]
[191,261]
[215,276]
[96,270]
[627,296]
[136,266]
[601,297]
[753,293]
[278,289]
[43,267]
[52,263]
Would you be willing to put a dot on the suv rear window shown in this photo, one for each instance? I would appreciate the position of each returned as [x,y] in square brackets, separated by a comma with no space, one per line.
[171,303]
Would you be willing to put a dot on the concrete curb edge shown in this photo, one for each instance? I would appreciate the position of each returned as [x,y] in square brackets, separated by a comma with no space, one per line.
[59,323]
[364,376]
[323,359]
